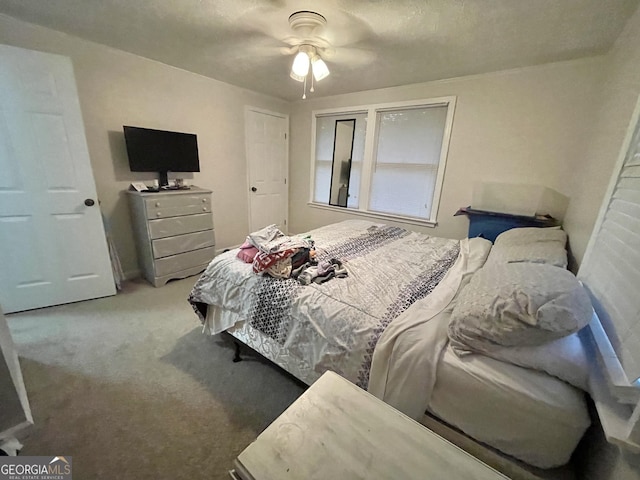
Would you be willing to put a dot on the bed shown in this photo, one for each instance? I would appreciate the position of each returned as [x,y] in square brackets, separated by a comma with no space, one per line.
[385,328]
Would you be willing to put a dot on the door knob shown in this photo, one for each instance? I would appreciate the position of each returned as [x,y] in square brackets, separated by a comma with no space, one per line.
[254,189]
[89,202]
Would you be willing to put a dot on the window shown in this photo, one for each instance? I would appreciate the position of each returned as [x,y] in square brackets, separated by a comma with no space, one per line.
[325,140]
[396,162]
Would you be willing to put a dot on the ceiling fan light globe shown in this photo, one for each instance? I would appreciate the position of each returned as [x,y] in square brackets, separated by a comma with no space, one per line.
[300,67]
[297,78]
[319,68]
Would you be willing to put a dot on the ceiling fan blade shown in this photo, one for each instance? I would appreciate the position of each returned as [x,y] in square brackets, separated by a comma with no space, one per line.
[350,56]
[268,51]
[288,50]
[268,20]
[248,46]
[344,29]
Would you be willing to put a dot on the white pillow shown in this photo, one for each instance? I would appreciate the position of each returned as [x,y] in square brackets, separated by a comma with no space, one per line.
[550,253]
[517,304]
[528,235]
[564,358]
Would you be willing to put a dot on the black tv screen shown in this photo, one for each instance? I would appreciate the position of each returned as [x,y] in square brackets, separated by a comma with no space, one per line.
[161,151]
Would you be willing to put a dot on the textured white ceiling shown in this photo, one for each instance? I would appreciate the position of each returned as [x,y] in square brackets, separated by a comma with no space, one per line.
[378,43]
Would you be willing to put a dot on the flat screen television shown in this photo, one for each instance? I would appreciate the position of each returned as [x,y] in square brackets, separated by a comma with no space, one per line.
[161,151]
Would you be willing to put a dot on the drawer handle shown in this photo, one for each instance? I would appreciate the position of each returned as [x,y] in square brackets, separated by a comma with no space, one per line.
[204,200]
[158,214]
[157,204]
[204,209]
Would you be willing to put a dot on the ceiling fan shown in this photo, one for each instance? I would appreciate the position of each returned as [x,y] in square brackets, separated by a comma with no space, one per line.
[316,40]
[309,47]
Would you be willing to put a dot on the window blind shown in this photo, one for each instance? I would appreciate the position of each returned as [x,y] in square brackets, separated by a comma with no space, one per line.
[611,268]
[408,151]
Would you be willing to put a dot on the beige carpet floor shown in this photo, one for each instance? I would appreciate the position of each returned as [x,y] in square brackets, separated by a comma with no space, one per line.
[131,389]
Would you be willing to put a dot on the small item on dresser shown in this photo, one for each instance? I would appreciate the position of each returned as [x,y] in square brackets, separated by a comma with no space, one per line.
[180,184]
[139,186]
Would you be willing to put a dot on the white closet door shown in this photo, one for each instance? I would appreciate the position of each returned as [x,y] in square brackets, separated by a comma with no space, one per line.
[267,164]
[52,242]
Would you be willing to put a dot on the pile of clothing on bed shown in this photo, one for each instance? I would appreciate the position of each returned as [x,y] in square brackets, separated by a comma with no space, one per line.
[273,253]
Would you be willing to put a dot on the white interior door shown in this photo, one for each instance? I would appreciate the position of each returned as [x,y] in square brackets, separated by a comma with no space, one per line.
[267,166]
[52,244]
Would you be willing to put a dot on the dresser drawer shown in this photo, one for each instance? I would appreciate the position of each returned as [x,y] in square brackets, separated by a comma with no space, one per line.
[167,227]
[163,247]
[177,204]
[183,261]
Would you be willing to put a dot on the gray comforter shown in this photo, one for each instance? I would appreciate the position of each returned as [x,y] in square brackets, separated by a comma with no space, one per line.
[334,325]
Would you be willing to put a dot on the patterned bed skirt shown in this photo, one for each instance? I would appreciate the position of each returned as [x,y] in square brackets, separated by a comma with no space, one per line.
[267,347]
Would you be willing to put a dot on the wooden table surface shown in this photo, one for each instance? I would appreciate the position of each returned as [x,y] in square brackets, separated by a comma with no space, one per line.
[336,430]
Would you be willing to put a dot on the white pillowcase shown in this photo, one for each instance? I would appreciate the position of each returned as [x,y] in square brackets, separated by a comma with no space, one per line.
[564,358]
[528,235]
[517,304]
[530,244]
[550,253]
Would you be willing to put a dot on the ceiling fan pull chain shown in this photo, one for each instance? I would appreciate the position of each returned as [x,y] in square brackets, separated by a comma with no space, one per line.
[311,90]
[304,89]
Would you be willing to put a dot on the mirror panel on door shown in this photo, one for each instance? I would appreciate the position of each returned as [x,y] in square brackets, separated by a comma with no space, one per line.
[341,163]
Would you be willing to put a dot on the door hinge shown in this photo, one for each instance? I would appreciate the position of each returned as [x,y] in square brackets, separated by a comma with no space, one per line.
[285,221]
[285,136]
[285,181]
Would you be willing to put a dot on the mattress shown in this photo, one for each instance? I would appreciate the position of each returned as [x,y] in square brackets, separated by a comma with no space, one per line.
[525,413]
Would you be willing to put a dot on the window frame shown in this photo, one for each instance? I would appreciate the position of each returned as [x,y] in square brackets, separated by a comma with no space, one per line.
[314,160]
[369,156]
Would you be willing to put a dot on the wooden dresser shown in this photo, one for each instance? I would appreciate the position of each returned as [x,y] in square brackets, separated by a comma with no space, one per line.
[336,430]
[174,232]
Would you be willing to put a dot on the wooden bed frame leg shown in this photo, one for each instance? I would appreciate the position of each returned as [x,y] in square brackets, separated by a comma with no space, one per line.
[236,356]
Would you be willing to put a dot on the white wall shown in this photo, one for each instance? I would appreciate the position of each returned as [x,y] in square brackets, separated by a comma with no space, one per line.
[118,88]
[590,178]
[522,126]
[535,125]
